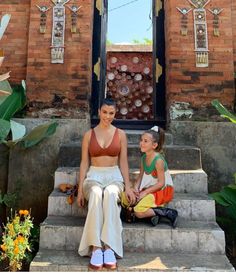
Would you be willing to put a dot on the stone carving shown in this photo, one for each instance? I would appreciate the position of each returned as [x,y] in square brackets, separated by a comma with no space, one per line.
[58,32]
[74,16]
[216,12]
[43,18]
[199,4]
[184,20]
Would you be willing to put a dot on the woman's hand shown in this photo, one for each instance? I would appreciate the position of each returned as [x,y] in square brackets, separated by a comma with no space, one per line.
[142,194]
[80,199]
[130,195]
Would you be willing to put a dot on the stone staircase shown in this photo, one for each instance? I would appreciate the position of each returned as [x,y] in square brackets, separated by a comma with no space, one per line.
[197,244]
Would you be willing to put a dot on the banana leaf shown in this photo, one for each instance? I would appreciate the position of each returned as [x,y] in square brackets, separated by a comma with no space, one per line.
[35,136]
[231,210]
[4,22]
[229,194]
[223,111]
[5,90]
[18,130]
[13,103]
[4,129]
[219,199]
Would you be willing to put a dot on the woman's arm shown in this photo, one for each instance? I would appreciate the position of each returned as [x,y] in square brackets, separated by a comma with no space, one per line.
[123,163]
[84,164]
[160,180]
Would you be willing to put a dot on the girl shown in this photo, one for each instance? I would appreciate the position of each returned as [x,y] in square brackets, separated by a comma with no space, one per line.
[154,186]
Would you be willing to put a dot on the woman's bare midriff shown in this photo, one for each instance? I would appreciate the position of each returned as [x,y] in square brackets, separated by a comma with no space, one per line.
[104,161]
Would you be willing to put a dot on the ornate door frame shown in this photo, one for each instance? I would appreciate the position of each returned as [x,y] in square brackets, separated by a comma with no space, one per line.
[99,66]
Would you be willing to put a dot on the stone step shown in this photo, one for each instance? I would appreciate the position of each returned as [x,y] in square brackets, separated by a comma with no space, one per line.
[195,207]
[64,233]
[178,157]
[133,136]
[185,181]
[70,261]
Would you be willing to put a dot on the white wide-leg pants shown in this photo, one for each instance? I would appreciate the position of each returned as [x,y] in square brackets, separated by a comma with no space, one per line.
[103,224]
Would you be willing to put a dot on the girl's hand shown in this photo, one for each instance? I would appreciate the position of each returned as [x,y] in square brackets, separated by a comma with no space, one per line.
[80,199]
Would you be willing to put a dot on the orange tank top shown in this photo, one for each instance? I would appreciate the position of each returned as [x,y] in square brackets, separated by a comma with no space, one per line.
[113,150]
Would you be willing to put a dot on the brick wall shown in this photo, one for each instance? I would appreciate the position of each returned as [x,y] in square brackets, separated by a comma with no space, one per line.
[185,82]
[63,89]
[15,40]
[60,86]
[234,30]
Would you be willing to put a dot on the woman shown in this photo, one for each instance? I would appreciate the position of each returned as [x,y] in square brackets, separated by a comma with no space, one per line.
[101,184]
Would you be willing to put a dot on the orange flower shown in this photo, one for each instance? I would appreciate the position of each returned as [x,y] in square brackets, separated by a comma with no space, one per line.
[21,239]
[16,250]
[16,242]
[3,247]
[24,212]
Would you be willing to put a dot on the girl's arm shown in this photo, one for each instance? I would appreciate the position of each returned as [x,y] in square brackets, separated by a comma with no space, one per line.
[84,165]
[124,168]
[139,179]
[160,180]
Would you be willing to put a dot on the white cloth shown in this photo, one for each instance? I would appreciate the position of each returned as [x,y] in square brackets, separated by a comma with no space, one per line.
[148,180]
[102,188]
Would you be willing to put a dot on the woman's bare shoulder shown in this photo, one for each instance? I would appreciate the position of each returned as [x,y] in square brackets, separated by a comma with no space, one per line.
[87,134]
[122,133]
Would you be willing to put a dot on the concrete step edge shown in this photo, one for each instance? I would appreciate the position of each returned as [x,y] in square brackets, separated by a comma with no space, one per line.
[52,260]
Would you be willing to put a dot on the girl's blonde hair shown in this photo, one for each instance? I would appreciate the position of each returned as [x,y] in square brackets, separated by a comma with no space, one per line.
[158,136]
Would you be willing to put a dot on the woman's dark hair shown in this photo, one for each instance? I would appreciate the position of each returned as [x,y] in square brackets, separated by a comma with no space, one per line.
[108,102]
[158,137]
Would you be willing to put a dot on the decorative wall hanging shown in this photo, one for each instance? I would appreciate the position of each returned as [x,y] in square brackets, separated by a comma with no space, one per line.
[129,81]
[216,12]
[184,20]
[200,32]
[58,32]
[43,18]
[74,16]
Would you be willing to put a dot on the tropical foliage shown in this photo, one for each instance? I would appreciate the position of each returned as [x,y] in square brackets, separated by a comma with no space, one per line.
[13,100]
[227,196]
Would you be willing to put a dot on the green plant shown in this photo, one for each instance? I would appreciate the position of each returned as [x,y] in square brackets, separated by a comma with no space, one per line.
[223,111]
[15,240]
[13,100]
[227,198]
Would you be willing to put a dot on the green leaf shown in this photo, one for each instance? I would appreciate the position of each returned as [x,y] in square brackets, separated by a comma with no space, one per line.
[4,86]
[229,194]
[4,129]
[4,22]
[217,196]
[18,130]
[231,210]
[13,103]
[38,134]
[223,111]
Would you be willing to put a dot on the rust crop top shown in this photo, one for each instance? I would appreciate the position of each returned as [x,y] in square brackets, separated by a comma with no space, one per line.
[113,150]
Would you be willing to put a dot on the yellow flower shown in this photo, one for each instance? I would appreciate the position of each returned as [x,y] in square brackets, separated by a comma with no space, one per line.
[3,247]
[16,242]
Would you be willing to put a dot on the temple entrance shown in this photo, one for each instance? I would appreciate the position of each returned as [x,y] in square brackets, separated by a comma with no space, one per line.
[128,61]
